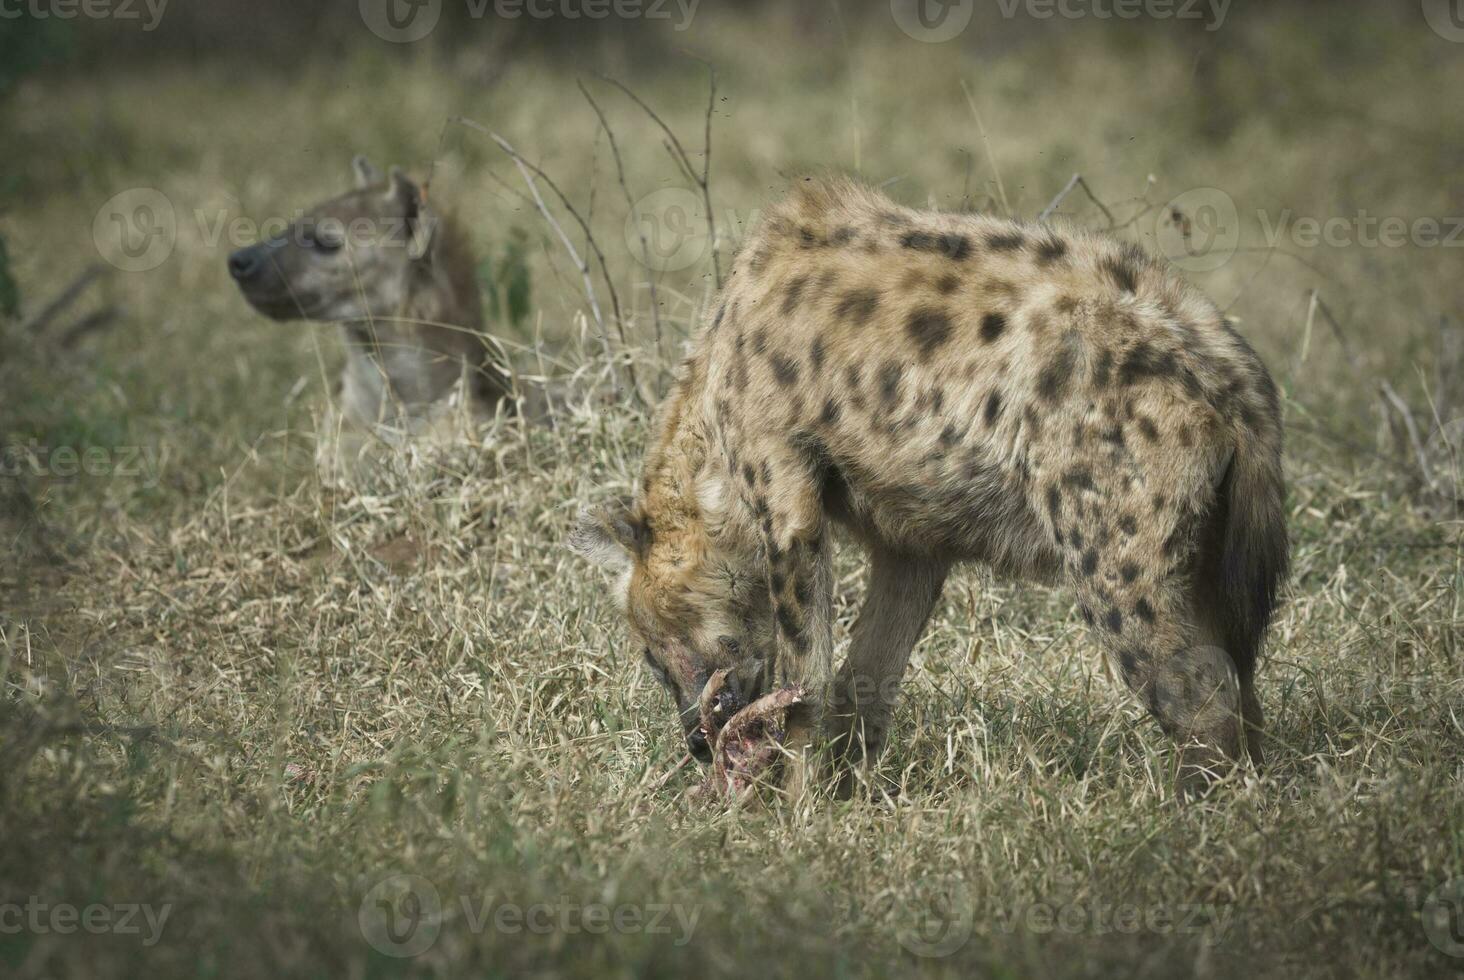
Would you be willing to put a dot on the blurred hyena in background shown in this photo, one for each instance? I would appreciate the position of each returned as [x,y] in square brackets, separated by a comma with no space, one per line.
[398,276]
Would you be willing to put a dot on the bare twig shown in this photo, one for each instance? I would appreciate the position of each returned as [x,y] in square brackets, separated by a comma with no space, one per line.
[93,322]
[1077,181]
[683,159]
[629,203]
[986,142]
[529,172]
[1326,312]
[64,299]
[1414,439]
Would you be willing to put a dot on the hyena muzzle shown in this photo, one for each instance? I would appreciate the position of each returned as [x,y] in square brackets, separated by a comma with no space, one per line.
[950,388]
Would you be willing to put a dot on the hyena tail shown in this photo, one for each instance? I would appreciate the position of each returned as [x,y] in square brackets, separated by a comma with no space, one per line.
[1243,563]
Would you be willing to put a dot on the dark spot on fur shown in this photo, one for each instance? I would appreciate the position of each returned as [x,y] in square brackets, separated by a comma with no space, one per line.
[1050,249]
[1144,362]
[1078,478]
[830,413]
[1147,429]
[993,408]
[948,283]
[1129,571]
[795,293]
[842,235]
[1114,622]
[852,375]
[1076,537]
[1090,561]
[1123,269]
[784,370]
[1053,381]
[1128,663]
[930,329]
[748,476]
[949,436]
[1008,241]
[1128,525]
[1054,502]
[889,381]
[1113,434]
[721,313]
[992,325]
[1144,611]
[1103,368]
[816,354]
[859,306]
[952,246]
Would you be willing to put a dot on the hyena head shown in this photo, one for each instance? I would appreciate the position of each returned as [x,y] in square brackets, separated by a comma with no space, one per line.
[353,257]
[693,607]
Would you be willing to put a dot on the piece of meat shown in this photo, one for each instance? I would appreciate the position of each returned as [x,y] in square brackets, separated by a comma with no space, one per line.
[750,743]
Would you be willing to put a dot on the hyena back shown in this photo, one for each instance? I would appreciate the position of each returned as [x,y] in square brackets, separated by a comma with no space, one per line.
[956,388]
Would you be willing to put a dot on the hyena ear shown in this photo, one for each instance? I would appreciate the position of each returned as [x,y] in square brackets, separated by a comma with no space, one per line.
[421,219]
[365,173]
[611,535]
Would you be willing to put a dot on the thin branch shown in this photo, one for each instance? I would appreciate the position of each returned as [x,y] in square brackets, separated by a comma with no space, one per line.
[986,142]
[529,171]
[1401,407]
[683,159]
[93,322]
[630,203]
[1077,181]
[38,323]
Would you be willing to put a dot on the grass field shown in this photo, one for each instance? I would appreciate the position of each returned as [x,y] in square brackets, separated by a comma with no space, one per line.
[256,707]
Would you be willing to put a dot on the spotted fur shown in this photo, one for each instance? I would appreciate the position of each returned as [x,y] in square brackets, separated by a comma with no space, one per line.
[1060,407]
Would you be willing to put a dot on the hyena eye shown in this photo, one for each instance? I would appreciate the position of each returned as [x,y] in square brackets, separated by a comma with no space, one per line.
[321,239]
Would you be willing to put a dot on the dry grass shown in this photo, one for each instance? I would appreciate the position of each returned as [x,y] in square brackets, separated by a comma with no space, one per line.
[253,698]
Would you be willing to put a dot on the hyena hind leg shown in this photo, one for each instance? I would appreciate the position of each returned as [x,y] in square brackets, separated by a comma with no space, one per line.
[1253,722]
[1144,611]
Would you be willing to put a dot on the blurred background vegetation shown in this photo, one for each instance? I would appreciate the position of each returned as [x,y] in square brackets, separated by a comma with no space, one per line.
[172,644]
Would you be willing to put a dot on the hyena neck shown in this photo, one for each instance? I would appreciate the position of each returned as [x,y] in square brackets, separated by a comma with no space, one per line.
[686,492]
[412,358]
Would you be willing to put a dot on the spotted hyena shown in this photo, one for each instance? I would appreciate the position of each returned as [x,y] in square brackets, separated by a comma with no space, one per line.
[398,276]
[949,388]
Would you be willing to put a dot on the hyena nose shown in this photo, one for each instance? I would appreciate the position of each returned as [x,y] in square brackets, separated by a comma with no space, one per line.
[696,741]
[245,264]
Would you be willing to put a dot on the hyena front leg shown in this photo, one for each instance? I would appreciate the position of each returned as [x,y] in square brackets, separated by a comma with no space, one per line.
[1139,598]
[788,502]
[898,600]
